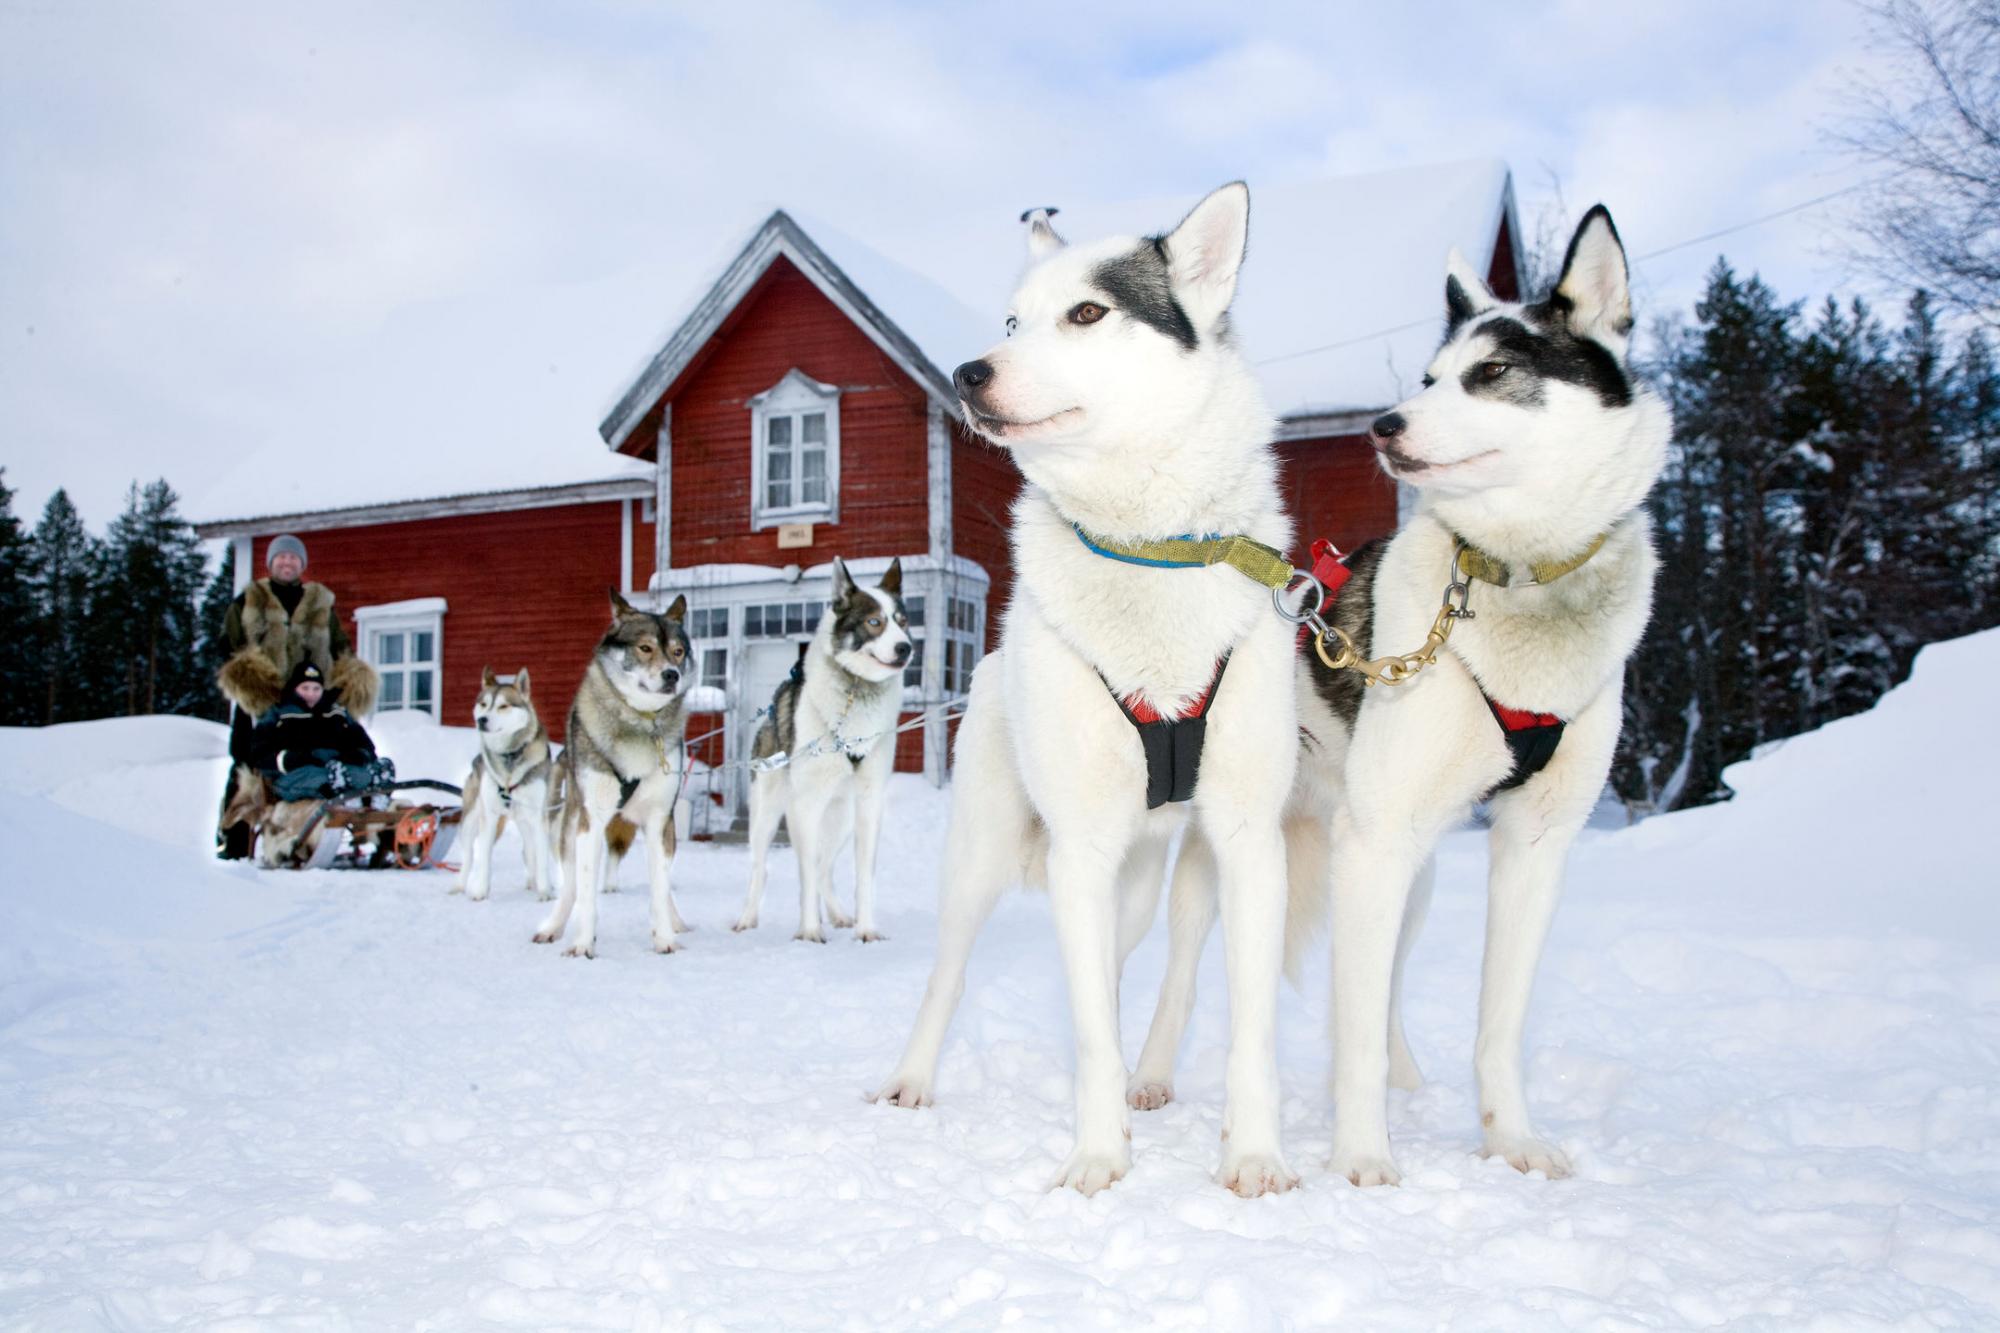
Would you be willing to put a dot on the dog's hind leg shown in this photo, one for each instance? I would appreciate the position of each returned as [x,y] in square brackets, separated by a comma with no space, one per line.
[987,843]
[768,792]
[1190,916]
[535,852]
[1403,1071]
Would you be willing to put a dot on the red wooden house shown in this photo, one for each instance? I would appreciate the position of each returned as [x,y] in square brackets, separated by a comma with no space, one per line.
[803,409]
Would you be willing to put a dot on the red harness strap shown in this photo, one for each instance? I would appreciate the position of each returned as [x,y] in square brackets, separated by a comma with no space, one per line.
[1531,737]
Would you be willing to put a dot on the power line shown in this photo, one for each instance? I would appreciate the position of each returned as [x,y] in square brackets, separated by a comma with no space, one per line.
[1640,259]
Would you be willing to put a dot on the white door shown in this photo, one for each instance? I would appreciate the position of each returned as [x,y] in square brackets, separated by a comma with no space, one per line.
[763,669]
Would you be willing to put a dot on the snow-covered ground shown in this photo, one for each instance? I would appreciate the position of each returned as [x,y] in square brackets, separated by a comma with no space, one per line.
[1767,1034]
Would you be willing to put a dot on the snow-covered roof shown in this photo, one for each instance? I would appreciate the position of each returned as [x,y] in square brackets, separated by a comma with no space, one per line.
[921,327]
[1339,308]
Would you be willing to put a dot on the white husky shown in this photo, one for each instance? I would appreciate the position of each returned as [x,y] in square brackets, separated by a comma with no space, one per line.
[1533,449]
[1134,420]
[829,739]
[510,782]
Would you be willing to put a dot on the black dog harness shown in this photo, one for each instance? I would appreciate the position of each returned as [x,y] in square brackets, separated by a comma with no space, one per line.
[1172,745]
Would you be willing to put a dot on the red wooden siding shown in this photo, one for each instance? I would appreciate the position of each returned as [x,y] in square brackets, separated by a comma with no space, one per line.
[523,588]
[984,483]
[784,322]
[1335,489]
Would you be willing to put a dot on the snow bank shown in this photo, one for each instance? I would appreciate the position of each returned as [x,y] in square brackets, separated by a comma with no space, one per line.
[1766,1033]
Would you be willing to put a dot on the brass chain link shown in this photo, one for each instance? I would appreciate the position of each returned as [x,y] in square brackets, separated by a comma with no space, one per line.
[1392,670]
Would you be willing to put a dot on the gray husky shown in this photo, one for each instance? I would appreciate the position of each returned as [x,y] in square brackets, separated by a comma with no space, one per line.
[833,723]
[620,772]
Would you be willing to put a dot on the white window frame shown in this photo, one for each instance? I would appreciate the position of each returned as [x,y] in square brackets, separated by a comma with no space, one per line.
[421,614]
[793,396]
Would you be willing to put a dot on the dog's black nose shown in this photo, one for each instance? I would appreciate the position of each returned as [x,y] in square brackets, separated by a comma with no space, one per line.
[971,376]
[1388,426]
[671,677]
[902,653]
[483,721]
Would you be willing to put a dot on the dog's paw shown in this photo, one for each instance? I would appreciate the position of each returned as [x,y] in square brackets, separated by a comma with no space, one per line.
[581,950]
[1365,1169]
[870,937]
[475,897]
[811,936]
[1088,1172]
[458,888]
[743,923]
[547,936]
[1148,1094]
[839,920]
[665,945]
[903,1090]
[1526,1153]
[1253,1174]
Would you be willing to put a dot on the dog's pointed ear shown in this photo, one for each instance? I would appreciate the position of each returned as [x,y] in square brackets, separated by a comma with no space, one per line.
[1594,293]
[1042,238]
[1466,294]
[892,582]
[1205,253]
[843,582]
[679,610]
[620,608]
[487,680]
[521,681]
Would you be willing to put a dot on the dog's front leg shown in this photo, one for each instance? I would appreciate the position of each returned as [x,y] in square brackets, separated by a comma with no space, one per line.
[659,862]
[591,862]
[563,856]
[1251,861]
[814,841]
[479,859]
[870,796]
[1372,869]
[1082,892]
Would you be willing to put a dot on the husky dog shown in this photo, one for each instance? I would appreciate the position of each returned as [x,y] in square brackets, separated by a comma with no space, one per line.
[510,780]
[1134,419]
[1532,448]
[833,722]
[620,771]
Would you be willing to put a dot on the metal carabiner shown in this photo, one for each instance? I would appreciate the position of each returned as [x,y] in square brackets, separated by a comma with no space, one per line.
[1308,607]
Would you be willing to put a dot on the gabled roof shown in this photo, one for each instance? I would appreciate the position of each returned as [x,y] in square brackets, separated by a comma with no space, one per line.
[917,324]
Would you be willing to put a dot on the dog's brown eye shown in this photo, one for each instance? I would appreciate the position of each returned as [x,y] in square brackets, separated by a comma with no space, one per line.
[1492,370]
[645,650]
[1089,312]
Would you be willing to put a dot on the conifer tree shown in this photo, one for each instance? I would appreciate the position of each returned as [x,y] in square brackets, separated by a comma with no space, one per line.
[18,616]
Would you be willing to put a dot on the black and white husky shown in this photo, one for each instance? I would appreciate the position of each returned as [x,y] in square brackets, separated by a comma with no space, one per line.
[1134,419]
[823,755]
[620,771]
[1532,448]
[510,782]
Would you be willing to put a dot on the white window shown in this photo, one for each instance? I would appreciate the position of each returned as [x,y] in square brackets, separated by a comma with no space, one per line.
[960,635]
[711,623]
[404,642]
[795,448]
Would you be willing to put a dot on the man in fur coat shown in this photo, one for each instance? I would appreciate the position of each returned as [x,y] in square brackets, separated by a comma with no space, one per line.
[273,625]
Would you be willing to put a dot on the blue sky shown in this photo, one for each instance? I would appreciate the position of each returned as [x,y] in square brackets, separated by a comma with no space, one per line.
[241,230]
